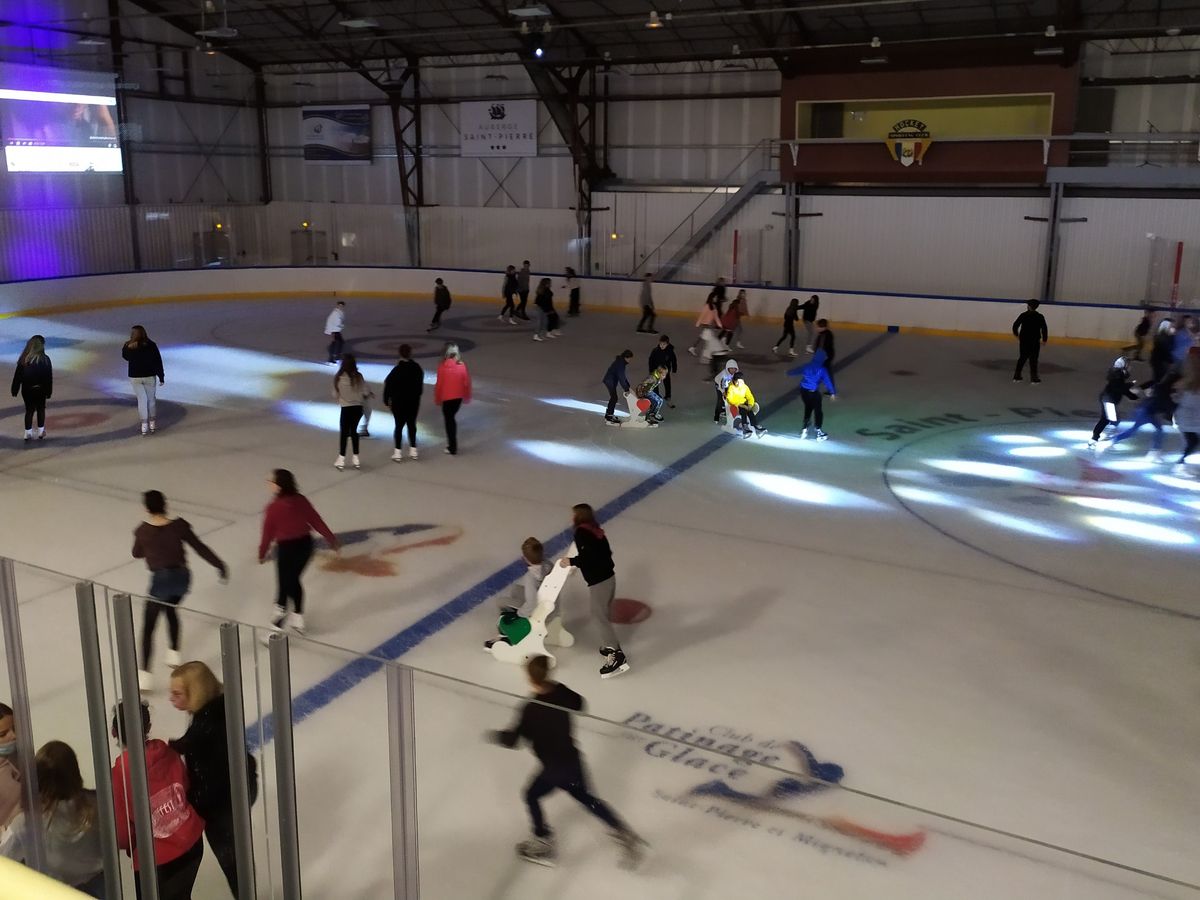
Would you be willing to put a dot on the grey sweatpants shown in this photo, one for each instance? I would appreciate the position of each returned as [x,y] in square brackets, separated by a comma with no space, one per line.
[602,595]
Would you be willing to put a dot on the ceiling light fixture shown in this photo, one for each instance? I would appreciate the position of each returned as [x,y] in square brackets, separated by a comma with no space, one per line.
[365,22]
[546,28]
[876,42]
[1174,31]
[524,29]
[1048,51]
[530,11]
[222,31]
[538,52]
[654,21]
[1051,31]
[736,49]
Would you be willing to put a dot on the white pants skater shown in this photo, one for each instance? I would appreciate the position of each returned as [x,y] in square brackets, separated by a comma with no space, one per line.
[144,389]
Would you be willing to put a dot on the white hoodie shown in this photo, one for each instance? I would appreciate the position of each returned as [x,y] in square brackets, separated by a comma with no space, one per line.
[336,320]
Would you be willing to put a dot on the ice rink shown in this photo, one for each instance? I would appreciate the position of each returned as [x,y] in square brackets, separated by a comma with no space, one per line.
[952,599]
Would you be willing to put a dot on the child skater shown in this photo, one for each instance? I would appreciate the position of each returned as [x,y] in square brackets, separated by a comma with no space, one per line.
[790,315]
[664,355]
[709,318]
[812,376]
[1156,406]
[648,390]
[739,394]
[1118,385]
[1187,412]
[726,367]
[595,563]
[545,722]
[441,303]
[515,613]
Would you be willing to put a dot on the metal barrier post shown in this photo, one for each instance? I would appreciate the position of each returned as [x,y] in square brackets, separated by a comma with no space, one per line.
[239,780]
[402,743]
[285,765]
[14,654]
[97,713]
[135,745]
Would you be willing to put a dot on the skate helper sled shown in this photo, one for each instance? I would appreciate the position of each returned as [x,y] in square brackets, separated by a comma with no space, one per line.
[542,630]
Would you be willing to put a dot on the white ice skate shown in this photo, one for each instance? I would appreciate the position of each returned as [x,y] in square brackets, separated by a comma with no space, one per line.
[539,850]
[544,626]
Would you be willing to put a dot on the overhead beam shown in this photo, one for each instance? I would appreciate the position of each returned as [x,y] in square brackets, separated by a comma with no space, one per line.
[188,28]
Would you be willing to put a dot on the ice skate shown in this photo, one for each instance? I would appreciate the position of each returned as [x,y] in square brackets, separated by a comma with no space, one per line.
[145,429]
[397,456]
[760,431]
[173,659]
[808,348]
[1092,444]
[29,434]
[615,664]
[822,436]
[278,618]
[804,432]
[153,426]
[611,420]
[354,461]
[364,433]
[412,453]
[775,349]
[339,463]
[1154,456]
[792,352]
[295,623]
[539,850]
[692,350]
[538,338]
[633,848]
[41,436]
[145,681]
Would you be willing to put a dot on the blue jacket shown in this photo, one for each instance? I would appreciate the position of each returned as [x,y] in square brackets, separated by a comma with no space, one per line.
[813,374]
[616,374]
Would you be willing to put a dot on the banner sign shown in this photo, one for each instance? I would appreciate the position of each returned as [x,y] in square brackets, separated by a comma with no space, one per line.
[336,134]
[498,128]
[907,141]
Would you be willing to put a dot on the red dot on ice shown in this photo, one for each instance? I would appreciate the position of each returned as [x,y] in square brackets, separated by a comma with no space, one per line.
[626,611]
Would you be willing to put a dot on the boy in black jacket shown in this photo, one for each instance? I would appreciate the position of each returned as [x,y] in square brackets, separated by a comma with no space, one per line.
[614,376]
[441,303]
[1029,328]
[402,395]
[664,355]
[546,723]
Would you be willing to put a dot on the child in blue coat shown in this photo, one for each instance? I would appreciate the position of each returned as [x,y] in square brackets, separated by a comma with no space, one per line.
[813,375]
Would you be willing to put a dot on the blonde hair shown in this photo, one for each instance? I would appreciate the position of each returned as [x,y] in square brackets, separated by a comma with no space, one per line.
[200,685]
[34,352]
[451,352]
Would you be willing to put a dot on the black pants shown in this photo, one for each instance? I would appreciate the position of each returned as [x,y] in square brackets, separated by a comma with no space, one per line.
[335,346]
[612,401]
[647,321]
[164,606]
[437,316]
[812,407]
[524,295]
[176,878]
[406,417]
[747,413]
[449,411]
[720,407]
[552,320]
[666,383]
[35,404]
[290,559]
[1029,352]
[572,780]
[789,331]
[1104,421]
[1190,440]
[508,308]
[218,828]
[573,304]
[351,416]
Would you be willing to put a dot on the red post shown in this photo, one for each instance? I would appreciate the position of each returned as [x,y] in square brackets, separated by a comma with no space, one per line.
[1175,277]
[733,274]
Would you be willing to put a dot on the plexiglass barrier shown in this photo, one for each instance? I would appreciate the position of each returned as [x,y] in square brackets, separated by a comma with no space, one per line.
[370,779]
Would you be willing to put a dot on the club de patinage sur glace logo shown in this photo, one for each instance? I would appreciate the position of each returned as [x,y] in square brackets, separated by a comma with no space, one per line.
[731,786]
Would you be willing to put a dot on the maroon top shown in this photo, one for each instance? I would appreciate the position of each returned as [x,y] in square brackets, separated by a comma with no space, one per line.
[290,517]
[162,546]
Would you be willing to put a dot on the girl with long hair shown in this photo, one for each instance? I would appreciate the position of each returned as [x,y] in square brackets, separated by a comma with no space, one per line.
[145,373]
[593,558]
[350,391]
[288,523]
[790,315]
[451,390]
[71,836]
[34,381]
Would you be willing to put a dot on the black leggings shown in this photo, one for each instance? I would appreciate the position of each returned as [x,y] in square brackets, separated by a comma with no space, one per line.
[1029,352]
[812,407]
[573,304]
[449,411]
[290,559]
[335,346]
[1190,440]
[574,782]
[218,828]
[789,331]
[177,878]
[509,305]
[437,315]
[646,322]
[164,606]
[406,417]
[747,413]
[35,403]
[351,415]
[1104,421]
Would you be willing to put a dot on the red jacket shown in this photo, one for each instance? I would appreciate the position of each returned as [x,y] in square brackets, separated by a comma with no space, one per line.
[177,826]
[453,382]
[732,316]
[290,517]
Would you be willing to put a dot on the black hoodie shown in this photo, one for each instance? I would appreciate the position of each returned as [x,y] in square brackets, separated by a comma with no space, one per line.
[594,558]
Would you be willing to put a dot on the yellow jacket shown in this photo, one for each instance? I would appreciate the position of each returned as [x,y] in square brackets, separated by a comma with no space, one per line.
[739,394]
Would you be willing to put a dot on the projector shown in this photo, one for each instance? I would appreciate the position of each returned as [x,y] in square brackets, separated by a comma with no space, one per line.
[530,11]
[223,32]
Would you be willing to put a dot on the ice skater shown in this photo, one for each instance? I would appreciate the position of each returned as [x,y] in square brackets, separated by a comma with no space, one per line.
[160,542]
[738,394]
[10,775]
[1155,406]
[1187,412]
[664,355]
[34,381]
[790,315]
[451,390]
[616,376]
[509,293]
[351,392]
[145,374]
[814,375]
[572,288]
[335,323]
[441,303]
[402,391]
[718,296]
[823,339]
[520,605]
[1118,384]
[646,322]
[808,313]
[523,290]
[709,318]
[731,321]
[1162,350]
[288,523]
[547,318]
[726,367]
[1139,334]
[1029,328]
[594,560]
[648,389]
[545,722]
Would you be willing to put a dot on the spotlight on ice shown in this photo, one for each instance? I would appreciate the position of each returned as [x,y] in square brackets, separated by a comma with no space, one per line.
[315,415]
[1130,465]
[1127,507]
[932,498]
[565,454]
[802,491]
[1023,525]
[1016,439]
[1071,434]
[570,403]
[1141,531]
[1038,452]
[1183,484]
[986,470]
[795,442]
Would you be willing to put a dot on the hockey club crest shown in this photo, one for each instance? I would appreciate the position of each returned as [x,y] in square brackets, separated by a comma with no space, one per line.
[908,141]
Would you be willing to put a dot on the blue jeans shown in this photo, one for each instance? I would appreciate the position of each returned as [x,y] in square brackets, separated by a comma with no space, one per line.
[1144,417]
[656,403]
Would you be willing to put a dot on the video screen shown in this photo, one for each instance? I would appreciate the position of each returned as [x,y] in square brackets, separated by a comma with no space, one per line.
[58,120]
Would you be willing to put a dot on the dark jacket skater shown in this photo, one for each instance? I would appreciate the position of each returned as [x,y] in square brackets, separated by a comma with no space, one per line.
[616,375]
[1029,329]
[663,355]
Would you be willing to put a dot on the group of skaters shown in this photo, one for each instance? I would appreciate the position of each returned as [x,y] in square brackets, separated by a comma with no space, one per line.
[1171,393]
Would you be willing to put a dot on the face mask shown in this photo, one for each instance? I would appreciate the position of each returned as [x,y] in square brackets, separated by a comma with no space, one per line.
[8,749]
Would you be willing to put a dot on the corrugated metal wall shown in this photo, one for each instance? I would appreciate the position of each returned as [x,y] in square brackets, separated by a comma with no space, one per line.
[494,238]
[44,243]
